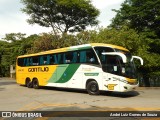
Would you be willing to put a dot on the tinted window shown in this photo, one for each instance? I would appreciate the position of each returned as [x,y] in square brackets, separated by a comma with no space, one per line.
[20,61]
[44,60]
[35,60]
[88,56]
[100,50]
[82,56]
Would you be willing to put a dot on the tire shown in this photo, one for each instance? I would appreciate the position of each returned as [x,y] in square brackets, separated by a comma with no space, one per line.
[35,84]
[29,83]
[92,88]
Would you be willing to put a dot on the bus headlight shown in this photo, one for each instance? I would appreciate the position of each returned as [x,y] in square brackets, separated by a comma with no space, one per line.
[132,83]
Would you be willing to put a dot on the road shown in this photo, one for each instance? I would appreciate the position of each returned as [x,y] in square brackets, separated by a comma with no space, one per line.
[14,97]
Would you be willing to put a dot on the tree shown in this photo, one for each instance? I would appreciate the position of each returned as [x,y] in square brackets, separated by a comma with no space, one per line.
[144,17]
[48,41]
[137,44]
[62,15]
[10,50]
[14,36]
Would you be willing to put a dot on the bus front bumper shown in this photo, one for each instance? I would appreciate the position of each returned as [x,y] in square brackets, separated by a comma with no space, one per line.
[129,87]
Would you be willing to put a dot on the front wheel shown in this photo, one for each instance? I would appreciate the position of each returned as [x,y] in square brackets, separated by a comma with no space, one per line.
[92,88]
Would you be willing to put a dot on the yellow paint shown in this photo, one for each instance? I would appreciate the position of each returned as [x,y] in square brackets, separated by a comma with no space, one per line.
[42,77]
[32,107]
[131,80]
[46,52]
[111,86]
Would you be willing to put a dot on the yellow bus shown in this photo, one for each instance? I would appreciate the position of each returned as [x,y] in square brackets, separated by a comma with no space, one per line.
[95,67]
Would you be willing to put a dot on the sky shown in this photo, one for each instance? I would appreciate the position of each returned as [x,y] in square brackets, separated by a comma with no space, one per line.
[13,20]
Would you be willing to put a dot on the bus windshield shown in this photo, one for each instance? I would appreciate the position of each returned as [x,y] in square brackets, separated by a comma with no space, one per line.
[128,69]
[114,64]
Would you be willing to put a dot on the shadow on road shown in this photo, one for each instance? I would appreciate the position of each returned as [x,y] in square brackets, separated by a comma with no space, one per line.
[102,93]
[121,94]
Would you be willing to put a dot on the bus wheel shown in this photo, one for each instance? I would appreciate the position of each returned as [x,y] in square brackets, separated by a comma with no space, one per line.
[35,84]
[92,88]
[29,83]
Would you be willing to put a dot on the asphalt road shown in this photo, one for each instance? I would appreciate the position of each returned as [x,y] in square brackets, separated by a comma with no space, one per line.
[14,97]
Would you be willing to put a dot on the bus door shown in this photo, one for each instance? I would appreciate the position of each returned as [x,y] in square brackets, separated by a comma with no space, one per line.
[111,75]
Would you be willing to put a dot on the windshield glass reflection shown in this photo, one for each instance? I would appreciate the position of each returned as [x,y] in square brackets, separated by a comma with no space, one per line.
[114,64]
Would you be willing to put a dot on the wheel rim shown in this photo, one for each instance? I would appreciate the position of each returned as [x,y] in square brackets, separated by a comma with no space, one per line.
[35,84]
[93,88]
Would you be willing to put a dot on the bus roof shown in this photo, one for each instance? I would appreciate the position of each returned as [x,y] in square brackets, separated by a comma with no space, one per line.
[109,45]
[78,47]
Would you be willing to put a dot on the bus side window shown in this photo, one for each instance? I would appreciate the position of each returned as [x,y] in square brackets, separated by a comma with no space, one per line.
[83,57]
[45,60]
[59,58]
[64,59]
[91,57]
[71,57]
[30,61]
[48,60]
[53,59]
[88,56]
[20,61]
[35,61]
[26,62]
[100,50]
[75,57]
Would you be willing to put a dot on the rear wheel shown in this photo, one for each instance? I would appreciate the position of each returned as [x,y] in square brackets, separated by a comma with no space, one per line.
[92,88]
[28,83]
[35,84]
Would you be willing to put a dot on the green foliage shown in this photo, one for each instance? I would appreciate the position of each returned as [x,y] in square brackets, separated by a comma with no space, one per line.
[9,51]
[137,43]
[4,58]
[144,17]
[14,36]
[62,15]
[49,42]
[42,43]
[141,15]
[135,27]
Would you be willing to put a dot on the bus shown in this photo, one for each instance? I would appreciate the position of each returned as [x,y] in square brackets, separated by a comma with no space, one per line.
[94,67]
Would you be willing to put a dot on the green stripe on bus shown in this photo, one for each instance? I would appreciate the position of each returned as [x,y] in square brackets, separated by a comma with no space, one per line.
[58,73]
[63,73]
[68,73]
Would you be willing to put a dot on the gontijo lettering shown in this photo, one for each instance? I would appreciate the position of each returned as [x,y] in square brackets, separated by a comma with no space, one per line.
[38,69]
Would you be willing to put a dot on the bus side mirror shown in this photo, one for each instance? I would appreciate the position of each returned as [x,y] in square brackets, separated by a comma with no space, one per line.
[124,58]
[137,57]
